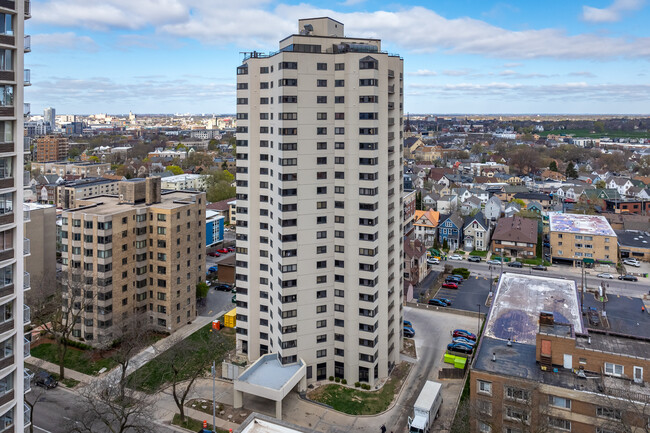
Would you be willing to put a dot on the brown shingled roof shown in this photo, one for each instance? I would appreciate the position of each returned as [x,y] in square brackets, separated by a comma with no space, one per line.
[516,229]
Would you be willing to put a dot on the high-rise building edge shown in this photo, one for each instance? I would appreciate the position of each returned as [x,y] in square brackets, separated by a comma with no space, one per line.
[14,315]
[319,181]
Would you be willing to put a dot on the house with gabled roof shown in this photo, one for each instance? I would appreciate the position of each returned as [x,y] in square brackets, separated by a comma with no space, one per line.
[425,224]
[511,209]
[476,233]
[620,183]
[448,203]
[470,205]
[493,209]
[451,229]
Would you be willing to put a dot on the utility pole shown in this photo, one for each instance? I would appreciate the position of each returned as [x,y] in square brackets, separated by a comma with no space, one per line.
[214,396]
[582,291]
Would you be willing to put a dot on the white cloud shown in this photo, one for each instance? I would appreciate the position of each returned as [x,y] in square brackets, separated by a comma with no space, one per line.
[351,2]
[423,73]
[53,42]
[612,13]
[456,72]
[254,24]
[582,74]
[512,65]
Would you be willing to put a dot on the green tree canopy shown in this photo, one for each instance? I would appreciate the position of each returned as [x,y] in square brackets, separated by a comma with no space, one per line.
[175,169]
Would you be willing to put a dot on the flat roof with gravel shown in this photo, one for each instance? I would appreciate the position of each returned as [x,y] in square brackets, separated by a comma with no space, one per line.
[595,225]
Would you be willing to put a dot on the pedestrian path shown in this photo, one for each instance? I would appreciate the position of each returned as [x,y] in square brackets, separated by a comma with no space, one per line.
[53,368]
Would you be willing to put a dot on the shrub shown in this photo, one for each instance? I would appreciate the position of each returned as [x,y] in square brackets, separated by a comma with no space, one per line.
[337,379]
[365,386]
[461,271]
[357,384]
[344,382]
[331,378]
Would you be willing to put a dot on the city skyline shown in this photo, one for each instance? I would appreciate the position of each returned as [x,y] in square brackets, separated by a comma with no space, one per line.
[460,57]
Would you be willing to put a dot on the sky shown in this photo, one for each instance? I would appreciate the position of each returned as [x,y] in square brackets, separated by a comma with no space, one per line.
[460,56]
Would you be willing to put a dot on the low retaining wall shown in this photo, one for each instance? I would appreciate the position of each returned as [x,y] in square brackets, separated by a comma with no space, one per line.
[445,310]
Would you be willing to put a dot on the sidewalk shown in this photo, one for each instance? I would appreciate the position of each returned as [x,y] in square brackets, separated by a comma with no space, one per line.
[53,368]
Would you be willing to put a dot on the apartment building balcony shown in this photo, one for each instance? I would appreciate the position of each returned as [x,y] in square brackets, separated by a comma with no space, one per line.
[391,73]
[27,77]
[391,135]
[391,105]
[26,214]
[26,178]
[27,281]
[28,414]
[391,89]
[27,315]
[7,325]
[28,43]
[27,381]
[26,247]
[26,142]
[27,109]
[28,10]
[27,348]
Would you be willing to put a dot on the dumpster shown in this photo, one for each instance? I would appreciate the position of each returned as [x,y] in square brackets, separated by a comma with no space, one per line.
[230,318]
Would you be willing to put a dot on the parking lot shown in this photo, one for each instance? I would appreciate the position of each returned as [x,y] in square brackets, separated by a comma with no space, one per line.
[433,330]
[469,295]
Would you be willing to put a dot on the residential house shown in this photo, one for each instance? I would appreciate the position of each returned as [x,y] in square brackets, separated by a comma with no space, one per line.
[509,192]
[545,200]
[470,205]
[620,183]
[415,261]
[451,230]
[481,194]
[535,206]
[634,244]
[426,224]
[429,201]
[476,233]
[515,237]
[493,209]
[553,175]
[447,204]
[462,193]
[511,209]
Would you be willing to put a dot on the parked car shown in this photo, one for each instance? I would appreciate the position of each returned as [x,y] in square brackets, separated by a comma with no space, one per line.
[214,254]
[433,261]
[606,275]
[628,277]
[408,324]
[539,268]
[437,302]
[515,265]
[446,301]
[460,347]
[474,259]
[409,332]
[45,380]
[494,262]
[464,341]
[458,277]
[453,279]
[592,314]
[231,249]
[450,285]
[632,262]
[222,250]
[455,257]
[213,269]
[463,333]
[223,286]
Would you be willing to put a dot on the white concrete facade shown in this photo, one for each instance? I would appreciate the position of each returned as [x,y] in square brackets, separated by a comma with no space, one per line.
[319,181]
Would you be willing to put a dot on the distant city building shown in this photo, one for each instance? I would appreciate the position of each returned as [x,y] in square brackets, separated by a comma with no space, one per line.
[51,148]
[190,182]
[49,117]
[41,247]
[140,253]
[214,227]
[83,169]
[69,192]
[579,238]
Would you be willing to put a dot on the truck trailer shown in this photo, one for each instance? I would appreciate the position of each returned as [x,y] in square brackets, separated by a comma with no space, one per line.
[426,408]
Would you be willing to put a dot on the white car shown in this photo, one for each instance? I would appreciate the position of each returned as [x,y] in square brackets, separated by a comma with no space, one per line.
[455,257]
[494,262]
[606,275]
[632,262]
[433,261]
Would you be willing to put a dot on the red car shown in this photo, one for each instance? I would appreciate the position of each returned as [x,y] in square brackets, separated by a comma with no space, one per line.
[450,286]
[214,254]
[465,334]
[223,250]
[231,249]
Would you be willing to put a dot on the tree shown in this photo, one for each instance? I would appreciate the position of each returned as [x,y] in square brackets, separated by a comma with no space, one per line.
[213,144]
[58,314]
[477,149]
[601,184]
[445,245]
[553,166]
[418,200]
[599,126]
[218,185]
[94,159]
[525,159]
[202,290]
[571,172]
[176,170]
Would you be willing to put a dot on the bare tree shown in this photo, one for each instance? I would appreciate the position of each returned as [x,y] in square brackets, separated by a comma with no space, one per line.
[59,313]
[622,409]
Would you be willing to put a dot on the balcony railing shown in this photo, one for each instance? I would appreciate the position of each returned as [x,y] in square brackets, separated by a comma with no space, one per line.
[27,314]
[28,415]
[27,352]
[27,109]
[28,9]
[28,43]
[28,382]
[28,77]
[26,178]
[26,281]
[26,247]
[27,215]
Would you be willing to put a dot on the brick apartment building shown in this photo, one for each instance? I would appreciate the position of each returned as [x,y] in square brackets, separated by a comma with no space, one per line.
[51,148]
[515,237]
[139,254]
[538,368]
[575,238]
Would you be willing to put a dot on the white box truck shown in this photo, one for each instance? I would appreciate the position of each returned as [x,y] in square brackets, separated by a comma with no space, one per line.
[426,408]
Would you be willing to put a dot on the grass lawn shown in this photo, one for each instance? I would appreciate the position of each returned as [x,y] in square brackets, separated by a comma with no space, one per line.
[193,424]
[536,261]
[157,372]
[478,253]
[462,252]
[75,359]
[355,401]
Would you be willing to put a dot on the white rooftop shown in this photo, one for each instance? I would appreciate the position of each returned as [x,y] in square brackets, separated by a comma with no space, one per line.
[520,298]
[181,177]
[269,372]
[580,224]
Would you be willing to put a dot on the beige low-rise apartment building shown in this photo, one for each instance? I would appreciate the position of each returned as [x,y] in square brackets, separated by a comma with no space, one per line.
[577,238]
[137,255]
[83,169]
[68,193]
